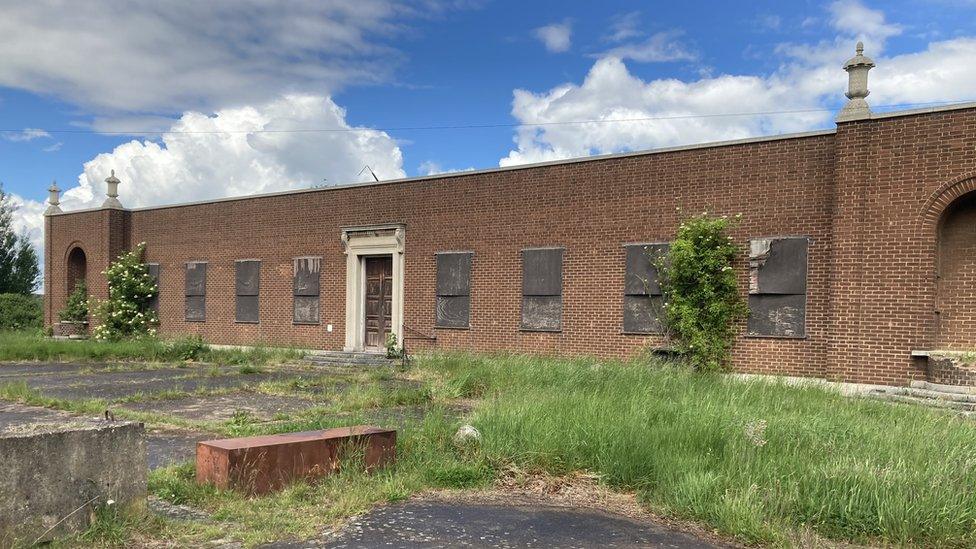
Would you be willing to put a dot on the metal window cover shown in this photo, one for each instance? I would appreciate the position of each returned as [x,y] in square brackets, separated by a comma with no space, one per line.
[778,265]
[196,278]
[307,271]
[777,315]
[542,313]
[542,271]
[306,309]
[453,311]
[196,308]
[641,273]
[246,308]
[454,273]
[247,277]
[643,314]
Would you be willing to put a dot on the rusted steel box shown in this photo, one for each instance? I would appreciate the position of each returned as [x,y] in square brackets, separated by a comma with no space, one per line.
[258,465]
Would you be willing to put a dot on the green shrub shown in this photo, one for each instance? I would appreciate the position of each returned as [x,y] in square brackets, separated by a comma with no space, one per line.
[702,302]
[186,348]
[76,310]
[126,312]
[18,311]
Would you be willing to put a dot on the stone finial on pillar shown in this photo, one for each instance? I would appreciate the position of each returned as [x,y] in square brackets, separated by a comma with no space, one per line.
[857,68]
[53,199]
[112,192]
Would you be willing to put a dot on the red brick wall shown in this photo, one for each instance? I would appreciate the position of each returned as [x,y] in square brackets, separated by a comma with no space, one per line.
[860,195]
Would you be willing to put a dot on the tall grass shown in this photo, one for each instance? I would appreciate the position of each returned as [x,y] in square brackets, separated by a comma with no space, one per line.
[757,460]
[32,345]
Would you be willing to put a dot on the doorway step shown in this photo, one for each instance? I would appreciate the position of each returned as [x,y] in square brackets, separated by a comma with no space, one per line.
[935,395]
[342,358]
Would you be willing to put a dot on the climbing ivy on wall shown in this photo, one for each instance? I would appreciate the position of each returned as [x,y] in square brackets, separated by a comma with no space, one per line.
[702,303]
[126,312]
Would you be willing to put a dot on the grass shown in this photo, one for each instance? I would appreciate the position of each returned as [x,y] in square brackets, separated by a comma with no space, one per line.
[756,460]
[762,462]
[24,345]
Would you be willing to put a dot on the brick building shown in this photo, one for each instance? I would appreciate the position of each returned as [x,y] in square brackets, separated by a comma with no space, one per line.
[858,251]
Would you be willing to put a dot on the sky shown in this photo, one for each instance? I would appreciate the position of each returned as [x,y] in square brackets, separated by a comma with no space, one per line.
[190,100]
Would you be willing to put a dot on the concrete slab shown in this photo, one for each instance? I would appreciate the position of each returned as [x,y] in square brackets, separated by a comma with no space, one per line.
[439,524]
[57,471]
[260,406]
[164,447]
[114,385]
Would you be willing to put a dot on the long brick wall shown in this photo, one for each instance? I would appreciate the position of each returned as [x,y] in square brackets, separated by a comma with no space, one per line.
[869,197]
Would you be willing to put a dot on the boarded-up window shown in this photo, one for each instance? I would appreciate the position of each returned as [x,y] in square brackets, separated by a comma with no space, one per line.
[196,291]
[453,290]
[542,289]
[643,297]
[247,286]
[306,289]
[778,286]
[153,269]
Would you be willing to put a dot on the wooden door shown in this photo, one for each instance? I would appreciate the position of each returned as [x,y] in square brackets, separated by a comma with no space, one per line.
[379,301]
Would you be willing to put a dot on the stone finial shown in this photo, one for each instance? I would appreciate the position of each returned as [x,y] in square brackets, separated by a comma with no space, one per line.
[857,68]
[112,192]
[53,199]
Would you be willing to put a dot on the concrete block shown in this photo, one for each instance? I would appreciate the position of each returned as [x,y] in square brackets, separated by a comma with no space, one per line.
[258,465]
[55,474]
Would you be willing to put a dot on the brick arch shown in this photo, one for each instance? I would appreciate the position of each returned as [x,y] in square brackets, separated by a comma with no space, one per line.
[76,265]
[941,198]
[927,234]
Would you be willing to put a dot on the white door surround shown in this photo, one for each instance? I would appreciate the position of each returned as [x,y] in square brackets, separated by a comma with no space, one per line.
[359,243]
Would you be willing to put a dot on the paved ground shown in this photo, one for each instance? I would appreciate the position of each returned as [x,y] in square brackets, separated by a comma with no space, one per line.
[145,388]
[414,524]
[156,389]
[436,524]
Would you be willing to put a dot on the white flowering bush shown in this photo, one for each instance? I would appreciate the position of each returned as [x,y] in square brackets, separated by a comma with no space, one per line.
[702,301]
[126,313]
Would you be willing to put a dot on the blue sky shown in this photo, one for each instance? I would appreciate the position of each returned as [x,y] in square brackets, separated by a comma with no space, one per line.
[227,72]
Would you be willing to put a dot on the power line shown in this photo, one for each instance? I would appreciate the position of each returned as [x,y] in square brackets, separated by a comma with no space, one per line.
[476,126]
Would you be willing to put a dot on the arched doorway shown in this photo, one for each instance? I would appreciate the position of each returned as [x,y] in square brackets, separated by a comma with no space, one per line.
[956,293]
[77,268]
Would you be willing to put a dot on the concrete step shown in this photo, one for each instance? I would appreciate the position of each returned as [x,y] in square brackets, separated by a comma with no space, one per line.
[931,394]
[909,398]
[338,358]
[958,389]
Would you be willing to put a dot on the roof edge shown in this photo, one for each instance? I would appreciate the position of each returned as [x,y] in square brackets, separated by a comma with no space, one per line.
[922,110]
[401,180]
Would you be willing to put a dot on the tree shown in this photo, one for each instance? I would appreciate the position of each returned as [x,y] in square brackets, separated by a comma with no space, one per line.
[19,267]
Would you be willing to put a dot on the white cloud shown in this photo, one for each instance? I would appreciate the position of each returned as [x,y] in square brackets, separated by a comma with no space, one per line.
[682,112]
[28,218]
[556,37]
[200,165]
[54,147]
[27,134]
[262,154]
[659,47]
[942,72]
[624,26]
[124,56]
[853,18]
[429,167]
[771,22]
